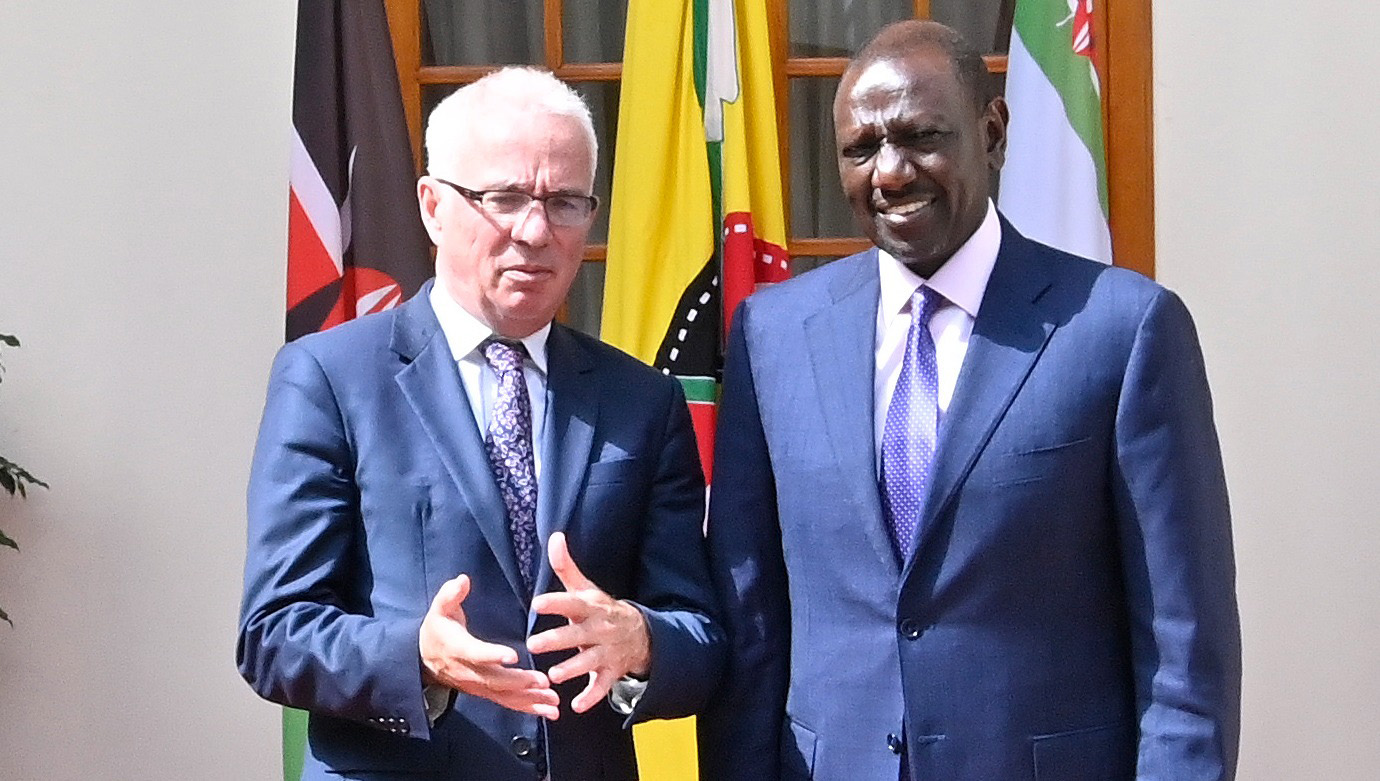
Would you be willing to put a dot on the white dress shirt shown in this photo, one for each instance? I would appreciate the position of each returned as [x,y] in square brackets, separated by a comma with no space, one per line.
[464,333]
[962,280]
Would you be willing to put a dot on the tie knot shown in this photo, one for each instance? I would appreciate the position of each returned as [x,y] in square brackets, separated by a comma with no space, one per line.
[924,302]
[503,354]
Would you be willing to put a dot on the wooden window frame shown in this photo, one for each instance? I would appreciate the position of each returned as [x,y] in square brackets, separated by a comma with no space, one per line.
[405,24]
[1122,30]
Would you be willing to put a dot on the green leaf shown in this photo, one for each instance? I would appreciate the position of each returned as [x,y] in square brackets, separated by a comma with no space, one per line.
[7,542]
[13,477]
[12,341]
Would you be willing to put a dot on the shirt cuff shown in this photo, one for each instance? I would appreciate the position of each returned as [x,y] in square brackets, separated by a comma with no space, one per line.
[438,699]
[625,694]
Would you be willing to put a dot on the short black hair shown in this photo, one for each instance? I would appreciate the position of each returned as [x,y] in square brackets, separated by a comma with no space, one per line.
[900,38]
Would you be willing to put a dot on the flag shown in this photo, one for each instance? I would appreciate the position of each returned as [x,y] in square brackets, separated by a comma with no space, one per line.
[697,219]
[1054,182]
[355,240]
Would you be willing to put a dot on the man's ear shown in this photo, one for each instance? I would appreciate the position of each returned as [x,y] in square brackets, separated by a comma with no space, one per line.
[428,201]
[995,120]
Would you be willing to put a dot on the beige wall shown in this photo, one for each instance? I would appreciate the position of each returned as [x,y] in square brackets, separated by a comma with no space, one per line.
[141,241]
[142,209]
[1268,223]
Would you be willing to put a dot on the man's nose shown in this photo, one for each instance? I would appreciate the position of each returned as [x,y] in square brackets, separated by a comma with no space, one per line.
[893,169]
[531,226]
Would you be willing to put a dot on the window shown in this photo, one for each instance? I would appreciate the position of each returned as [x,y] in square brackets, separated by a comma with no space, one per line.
[441,44]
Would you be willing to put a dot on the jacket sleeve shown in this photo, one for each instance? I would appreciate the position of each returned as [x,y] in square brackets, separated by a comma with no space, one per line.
[305,638]
[1174,524]
[739,735]
[674,591]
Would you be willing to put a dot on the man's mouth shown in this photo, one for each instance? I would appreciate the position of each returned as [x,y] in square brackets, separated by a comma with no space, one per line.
[527,273]
[903,210]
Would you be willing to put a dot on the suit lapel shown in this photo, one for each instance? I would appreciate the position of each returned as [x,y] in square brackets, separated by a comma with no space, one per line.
[572,411]
[431,384]
[840,339]
[1009,335]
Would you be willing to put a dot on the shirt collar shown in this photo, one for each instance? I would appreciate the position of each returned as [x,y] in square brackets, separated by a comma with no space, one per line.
[464,332]
[962,280]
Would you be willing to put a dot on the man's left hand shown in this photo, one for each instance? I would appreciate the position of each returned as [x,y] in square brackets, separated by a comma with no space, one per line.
[611,635]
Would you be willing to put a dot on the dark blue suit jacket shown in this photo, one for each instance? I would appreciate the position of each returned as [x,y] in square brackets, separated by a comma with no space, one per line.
[370,488]
[1069,612]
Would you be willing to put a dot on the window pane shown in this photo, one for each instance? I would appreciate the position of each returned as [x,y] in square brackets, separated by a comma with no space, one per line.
[584,305]
[980,21]
[602,97]
[482,32]
[593,30]
[828,29]
[820,29]
[817,205]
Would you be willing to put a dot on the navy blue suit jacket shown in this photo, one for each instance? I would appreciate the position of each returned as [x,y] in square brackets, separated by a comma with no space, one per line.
[1069,612]
[370,488]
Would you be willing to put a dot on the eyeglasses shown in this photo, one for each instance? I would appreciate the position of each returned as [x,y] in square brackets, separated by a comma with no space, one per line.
[563,209]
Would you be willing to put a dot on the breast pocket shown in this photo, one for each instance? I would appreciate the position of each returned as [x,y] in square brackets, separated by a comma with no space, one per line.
[1094,754]
[621,470]
[1033,463]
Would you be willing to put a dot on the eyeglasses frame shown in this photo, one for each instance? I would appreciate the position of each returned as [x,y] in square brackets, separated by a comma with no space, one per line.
[477,197]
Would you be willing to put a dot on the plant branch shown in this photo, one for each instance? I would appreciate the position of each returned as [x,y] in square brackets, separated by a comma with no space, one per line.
[13,478]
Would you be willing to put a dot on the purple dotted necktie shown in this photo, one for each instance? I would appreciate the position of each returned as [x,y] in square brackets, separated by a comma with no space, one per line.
[509,445]
[912,421]
[908,439]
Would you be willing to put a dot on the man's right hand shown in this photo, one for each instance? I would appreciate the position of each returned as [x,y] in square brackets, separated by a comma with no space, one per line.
[453,657]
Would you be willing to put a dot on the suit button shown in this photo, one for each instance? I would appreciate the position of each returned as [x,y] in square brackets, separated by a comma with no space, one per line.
[893,742]
[522,746]
[910,629]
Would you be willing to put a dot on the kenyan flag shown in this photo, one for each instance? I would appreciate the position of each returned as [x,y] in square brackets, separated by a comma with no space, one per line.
[1054,183]
[696,223]
[355,241]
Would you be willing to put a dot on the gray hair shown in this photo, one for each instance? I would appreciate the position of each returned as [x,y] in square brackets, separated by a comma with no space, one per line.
[508,90]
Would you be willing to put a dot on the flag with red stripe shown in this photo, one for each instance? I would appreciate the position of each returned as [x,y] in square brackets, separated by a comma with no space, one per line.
[697,220]
[355,242]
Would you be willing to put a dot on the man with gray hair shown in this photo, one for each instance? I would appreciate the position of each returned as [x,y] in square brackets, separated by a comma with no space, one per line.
[469,525]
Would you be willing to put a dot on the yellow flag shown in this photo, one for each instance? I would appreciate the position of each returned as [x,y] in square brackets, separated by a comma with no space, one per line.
[697,220]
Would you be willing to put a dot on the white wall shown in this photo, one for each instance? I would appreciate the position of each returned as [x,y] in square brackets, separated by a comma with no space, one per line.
[1268,222]
[143,150]
[142,197]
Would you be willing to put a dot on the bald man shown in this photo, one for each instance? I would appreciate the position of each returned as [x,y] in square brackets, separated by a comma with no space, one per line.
[971,520]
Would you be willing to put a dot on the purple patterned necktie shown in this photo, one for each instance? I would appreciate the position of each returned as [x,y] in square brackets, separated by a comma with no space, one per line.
[509,445]
[908,440]
[912,421]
